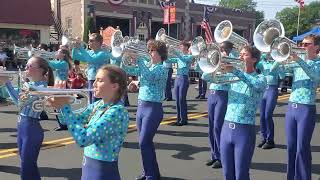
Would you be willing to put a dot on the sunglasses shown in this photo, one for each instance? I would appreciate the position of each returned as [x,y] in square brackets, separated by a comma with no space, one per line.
[28,66]
[306,44]
[151,50]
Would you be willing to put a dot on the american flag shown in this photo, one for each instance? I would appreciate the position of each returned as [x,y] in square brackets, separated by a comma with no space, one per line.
[301,2]
[207,11]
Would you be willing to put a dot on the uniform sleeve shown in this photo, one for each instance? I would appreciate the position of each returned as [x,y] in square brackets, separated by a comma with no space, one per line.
[55,64]
[257,82]
[207,77]
[131,70]
[182,57]
[114,118]
[83,55]
[14,94]
[313,70]
[67,115]
[172,60]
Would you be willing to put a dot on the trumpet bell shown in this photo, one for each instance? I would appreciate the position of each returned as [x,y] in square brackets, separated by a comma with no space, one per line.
[170,41]
[117,43]
[198,44]
[209,60]
[282,48]
[266,32]
[224,32]
[64,40]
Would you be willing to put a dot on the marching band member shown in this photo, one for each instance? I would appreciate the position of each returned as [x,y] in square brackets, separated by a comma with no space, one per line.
[181,86]
[96,57]
[30,132]
[238,131]
[217,107]
[269,100]
[60,67]
[301,113]
[153,78]
[102,127]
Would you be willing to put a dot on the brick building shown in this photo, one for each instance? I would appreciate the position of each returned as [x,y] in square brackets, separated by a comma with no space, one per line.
[144,17]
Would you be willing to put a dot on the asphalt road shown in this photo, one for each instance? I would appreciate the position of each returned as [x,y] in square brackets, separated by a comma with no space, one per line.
[181,151]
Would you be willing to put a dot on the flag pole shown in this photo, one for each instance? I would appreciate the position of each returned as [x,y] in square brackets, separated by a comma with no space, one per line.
[298,21]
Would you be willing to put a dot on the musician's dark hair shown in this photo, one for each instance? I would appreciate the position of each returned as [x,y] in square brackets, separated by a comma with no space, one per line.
[255,53]
[119,76]
[67,58]
[185,44]
[160,47]
[43,46]
[227,46]
[47,71]
[97,37]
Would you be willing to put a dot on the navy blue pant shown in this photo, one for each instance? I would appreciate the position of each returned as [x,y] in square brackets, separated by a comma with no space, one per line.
[168,93]
[125,99]
[300,123]
[30,137]
[149,116]
[268,103]
[93,169]
[92,99]
[237,147]
[181,89]
[202,87]
[217,107]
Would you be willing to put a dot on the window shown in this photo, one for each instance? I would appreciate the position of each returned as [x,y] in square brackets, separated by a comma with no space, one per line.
[143,1]
[69,25]
[141,37]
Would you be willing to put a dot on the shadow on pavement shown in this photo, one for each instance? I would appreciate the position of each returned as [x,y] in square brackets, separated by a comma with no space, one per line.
[70,174]
[185,151]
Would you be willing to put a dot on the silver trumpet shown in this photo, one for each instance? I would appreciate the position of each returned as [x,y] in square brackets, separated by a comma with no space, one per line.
[266,32]
[224,32]
[282,48]
[118,43]
[22,53]
[43,54]
[71,42]
[46,93]
[212,61]
[9,74]
[197,46]
[162,36]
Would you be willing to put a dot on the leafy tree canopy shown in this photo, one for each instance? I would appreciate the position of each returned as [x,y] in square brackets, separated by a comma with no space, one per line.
[308,16]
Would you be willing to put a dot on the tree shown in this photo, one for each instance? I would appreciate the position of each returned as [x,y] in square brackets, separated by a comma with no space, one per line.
[308,16]
[89,27]
[245,5]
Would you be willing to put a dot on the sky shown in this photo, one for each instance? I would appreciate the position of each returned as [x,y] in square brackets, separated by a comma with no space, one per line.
[270,7]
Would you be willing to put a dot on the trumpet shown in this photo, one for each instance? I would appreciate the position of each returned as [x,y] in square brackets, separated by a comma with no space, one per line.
[197,46]
[224,32]
[72,42]
[117,43]
[282,48]
[44,94]
[22,53]
[266,32]
[43,54]
[212,61]
[162,36]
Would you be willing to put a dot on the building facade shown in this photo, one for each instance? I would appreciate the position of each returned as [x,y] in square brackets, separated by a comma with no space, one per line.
[144,18]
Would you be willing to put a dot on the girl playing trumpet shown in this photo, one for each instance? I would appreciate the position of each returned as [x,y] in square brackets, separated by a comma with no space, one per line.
[102,127]
[30,132]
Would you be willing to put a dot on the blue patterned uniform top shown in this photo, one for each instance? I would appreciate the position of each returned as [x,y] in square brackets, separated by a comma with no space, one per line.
[95,59]
[184,62]
[26,109]
[60,68]
[152,79]
[306,78]
[272,74]
[167,65]
[101,129]
[244,97]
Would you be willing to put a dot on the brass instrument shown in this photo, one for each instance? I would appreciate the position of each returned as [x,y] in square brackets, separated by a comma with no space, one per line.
[224,32]
[71,42]
[43,54]
[283,47]
[266,32]
[46,93]
[22,53]
[212,61]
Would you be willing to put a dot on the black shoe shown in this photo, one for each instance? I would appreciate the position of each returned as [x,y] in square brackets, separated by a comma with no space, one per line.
[202,97]
[210,162]
[261,144]
[141,177]
[198,97]
[177,124]
[184,123]
[44,116]
[60,128]
[169,99]
[268,145]
[217,165]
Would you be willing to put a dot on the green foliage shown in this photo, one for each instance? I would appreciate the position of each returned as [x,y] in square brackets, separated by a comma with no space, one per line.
[88,27]
[289,18]
[245,5]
